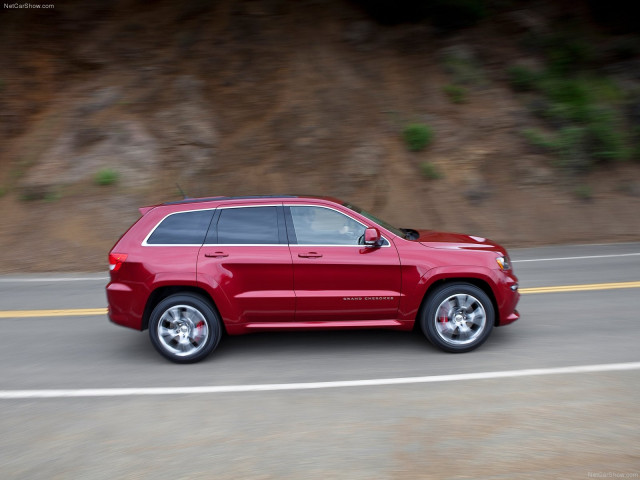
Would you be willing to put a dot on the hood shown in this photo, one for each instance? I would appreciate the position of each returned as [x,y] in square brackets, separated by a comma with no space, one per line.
[434,239]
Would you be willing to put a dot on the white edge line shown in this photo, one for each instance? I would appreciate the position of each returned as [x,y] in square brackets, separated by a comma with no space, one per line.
[54,279]
[575,258]
[122,392]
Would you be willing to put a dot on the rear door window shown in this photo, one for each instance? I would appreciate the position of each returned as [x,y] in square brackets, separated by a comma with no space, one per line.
[247,226]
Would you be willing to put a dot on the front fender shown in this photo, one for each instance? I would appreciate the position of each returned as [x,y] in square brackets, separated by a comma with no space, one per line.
[412,300]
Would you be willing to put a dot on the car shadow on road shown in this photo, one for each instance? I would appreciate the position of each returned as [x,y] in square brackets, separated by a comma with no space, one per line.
[336,341]
[375,347]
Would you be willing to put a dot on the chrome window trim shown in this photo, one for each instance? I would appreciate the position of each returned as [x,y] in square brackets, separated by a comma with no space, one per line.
[271,245]
[245,245]
[145,244]
[171,245]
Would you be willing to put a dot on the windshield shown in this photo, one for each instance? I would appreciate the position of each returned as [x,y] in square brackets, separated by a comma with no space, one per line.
[382,223]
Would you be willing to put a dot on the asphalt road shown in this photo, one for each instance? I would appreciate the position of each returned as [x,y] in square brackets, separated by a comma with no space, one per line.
[568,424]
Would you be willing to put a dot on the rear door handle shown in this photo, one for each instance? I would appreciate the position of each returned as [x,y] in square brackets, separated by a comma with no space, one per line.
[310,255]
[216,255]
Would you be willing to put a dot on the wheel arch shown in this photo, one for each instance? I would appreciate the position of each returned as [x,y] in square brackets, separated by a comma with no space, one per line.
[482,284]
[163,292]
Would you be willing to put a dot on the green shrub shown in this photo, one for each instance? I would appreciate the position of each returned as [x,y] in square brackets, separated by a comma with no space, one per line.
[538,139]
[37,193]
[606,137]
[106,176]
[430,171]
[417,136]
[569,99]
[570,96]
[565,54]
[52,196]
[579,147]
[571,147]
[568,145]
[456,93]
[583,192]
[523,79]
[585,109]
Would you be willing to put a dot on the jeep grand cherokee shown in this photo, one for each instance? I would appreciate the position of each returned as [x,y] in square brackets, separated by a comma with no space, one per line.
[190,270]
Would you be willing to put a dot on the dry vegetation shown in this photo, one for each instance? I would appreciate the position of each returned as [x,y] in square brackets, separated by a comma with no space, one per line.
[106,106]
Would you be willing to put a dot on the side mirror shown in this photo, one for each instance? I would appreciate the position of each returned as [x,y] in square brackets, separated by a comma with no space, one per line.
[372,237]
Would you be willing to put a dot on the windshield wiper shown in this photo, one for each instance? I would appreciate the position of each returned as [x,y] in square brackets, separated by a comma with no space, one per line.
[410,233]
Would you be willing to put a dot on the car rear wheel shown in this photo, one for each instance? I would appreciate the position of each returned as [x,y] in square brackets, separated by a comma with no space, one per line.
[458,317]
[184,328]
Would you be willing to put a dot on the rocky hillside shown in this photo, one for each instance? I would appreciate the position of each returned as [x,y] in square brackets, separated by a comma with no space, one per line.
[108,106]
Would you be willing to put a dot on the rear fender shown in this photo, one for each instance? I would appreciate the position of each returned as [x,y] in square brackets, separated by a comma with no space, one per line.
[159,286]
[229,312]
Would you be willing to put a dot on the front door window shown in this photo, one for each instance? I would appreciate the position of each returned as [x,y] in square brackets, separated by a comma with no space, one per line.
[324,226]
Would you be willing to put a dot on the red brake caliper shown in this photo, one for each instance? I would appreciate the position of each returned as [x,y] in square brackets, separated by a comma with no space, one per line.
[199,326]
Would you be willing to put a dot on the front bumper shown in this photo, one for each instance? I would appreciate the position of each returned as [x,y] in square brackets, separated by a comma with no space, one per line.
[508,298]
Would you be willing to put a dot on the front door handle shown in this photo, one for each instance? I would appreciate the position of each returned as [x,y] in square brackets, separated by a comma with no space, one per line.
[216,255]
[310,255]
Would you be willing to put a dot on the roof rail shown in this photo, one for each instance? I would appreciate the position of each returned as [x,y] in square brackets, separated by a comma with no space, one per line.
[211,199]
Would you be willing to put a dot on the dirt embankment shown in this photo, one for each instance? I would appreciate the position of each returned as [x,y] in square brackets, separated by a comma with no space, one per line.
[260,97]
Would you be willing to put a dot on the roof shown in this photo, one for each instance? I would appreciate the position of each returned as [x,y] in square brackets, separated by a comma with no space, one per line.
[247,197]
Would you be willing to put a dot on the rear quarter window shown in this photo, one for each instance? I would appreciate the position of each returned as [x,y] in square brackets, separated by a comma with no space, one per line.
[183,228]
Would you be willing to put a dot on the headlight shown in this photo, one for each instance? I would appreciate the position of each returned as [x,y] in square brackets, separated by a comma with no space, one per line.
[504,263]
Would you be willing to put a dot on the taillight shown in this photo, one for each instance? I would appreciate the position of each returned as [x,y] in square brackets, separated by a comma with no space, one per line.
[116,260]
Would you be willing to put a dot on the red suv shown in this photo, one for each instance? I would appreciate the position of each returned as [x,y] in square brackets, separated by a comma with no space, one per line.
[190,270]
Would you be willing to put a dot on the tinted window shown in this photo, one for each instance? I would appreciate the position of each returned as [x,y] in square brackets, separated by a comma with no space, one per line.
[250,225]
[186,228]
[323,226]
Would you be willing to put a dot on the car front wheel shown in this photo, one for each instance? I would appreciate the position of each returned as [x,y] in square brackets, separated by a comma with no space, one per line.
[458,317]
[184,328]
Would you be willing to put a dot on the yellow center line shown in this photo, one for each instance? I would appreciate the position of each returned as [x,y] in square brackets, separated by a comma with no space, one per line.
[88,312]
[69,312]
[580,288]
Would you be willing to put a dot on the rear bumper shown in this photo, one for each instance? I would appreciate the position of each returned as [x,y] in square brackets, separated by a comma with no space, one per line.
[122,306]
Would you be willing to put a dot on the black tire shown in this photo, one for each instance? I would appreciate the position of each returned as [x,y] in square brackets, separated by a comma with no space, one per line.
[184,328]
[457,317]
